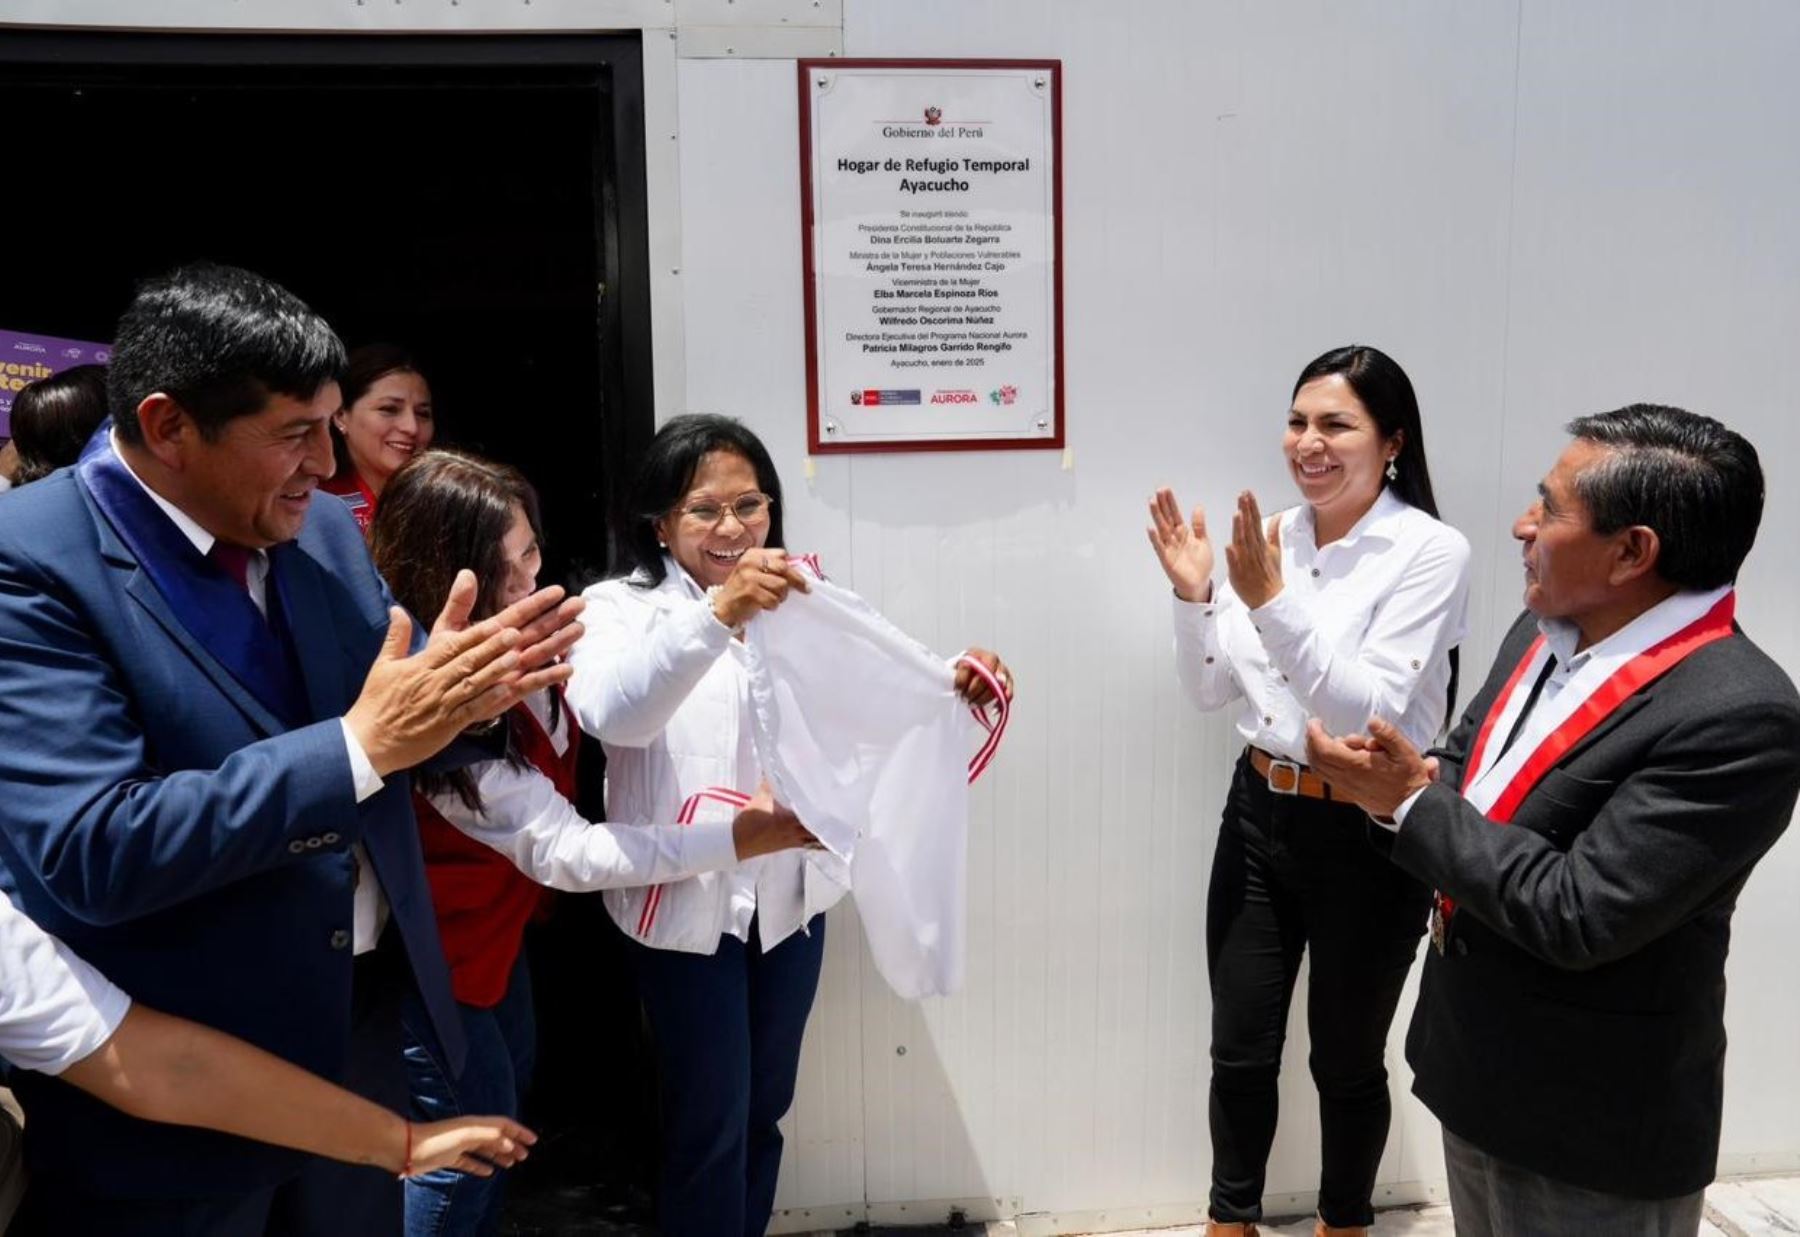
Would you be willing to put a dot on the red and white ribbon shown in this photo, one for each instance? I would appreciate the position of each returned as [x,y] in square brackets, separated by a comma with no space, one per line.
[1001,705]
[718,794]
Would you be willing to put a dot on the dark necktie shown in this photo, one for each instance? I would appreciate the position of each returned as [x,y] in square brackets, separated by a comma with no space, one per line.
[233,560]
[1537,689]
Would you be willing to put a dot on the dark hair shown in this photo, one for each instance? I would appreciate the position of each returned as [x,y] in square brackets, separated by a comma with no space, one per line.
[220,341]
[1387,393]
[443,511]
[366,366]
[666,473]
[53,418]
[1697,485]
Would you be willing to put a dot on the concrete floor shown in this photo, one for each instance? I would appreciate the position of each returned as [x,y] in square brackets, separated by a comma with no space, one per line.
[1742,1207]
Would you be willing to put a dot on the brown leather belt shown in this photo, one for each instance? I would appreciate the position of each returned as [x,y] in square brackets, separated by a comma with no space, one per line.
[1284,777]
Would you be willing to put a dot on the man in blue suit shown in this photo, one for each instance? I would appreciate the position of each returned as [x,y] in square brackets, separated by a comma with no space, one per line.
[207,707]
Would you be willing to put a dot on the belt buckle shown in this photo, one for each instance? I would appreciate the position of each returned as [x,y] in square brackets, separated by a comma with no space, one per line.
[1291,768]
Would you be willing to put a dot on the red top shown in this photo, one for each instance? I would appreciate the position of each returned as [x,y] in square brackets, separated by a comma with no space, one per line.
[348,486]
[483,902]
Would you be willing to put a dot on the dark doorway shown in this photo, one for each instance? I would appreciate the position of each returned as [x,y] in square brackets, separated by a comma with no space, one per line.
[479,200]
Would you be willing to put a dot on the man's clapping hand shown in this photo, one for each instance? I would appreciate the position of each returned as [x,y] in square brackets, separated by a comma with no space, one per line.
[1378,771]
[411,707]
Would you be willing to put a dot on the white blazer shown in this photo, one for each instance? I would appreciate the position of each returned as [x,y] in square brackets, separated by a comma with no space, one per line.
[661,683]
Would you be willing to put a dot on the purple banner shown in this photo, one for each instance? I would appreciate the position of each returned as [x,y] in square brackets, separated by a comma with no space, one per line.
[26,358]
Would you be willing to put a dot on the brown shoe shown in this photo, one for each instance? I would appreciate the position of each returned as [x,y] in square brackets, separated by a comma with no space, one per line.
[1322,1229]
[1215,1229]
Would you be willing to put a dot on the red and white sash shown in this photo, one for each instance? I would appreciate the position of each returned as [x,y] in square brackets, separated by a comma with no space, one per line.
[1498,783]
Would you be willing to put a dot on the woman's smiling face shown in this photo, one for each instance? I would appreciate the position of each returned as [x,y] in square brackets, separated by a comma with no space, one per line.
[711,553]
[1335,451]
[388,424]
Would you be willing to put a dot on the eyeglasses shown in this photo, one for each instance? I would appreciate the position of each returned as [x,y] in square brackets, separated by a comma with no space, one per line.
[751,508]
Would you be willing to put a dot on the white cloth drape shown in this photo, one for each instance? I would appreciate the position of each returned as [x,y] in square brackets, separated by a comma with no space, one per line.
[860,731]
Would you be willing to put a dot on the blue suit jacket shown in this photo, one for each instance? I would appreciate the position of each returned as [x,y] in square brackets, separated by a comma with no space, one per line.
[169,827]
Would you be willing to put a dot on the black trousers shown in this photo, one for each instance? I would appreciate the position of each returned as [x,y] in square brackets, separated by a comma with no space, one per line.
[1290,876]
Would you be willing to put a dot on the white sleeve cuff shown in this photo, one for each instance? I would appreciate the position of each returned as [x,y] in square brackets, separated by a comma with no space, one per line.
[708,846]
[708,627]
[362,772]
[1401,811]
[1194,618]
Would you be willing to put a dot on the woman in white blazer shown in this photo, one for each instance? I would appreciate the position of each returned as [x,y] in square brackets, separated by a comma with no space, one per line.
[727,962]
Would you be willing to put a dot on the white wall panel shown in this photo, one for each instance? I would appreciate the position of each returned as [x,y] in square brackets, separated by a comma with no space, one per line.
[1540,210]
[1657,258]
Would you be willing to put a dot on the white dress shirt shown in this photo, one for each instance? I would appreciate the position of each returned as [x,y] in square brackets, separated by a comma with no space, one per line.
[370,909]
[55,1009]
[1361,628]
[526,819]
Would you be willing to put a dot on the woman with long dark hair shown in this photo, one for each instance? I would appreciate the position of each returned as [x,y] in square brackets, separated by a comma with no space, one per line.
[727,963]
[1346,607]
[495,834]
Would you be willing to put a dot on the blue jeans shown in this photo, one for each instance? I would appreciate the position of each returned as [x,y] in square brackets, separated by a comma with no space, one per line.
[502,1050]
[727,1028]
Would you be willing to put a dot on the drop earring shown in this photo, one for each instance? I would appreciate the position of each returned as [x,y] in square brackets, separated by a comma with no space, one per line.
[1393,472]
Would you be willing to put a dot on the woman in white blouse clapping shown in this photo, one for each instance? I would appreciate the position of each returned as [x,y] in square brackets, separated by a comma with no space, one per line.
[1346,607]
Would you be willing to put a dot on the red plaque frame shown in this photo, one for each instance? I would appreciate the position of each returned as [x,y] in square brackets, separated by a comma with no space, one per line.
[815,444]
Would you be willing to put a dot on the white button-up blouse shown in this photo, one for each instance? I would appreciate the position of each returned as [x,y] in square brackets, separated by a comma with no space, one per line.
[1361,628]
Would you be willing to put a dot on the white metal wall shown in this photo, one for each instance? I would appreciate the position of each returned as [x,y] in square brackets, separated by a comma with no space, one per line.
[1542,209]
